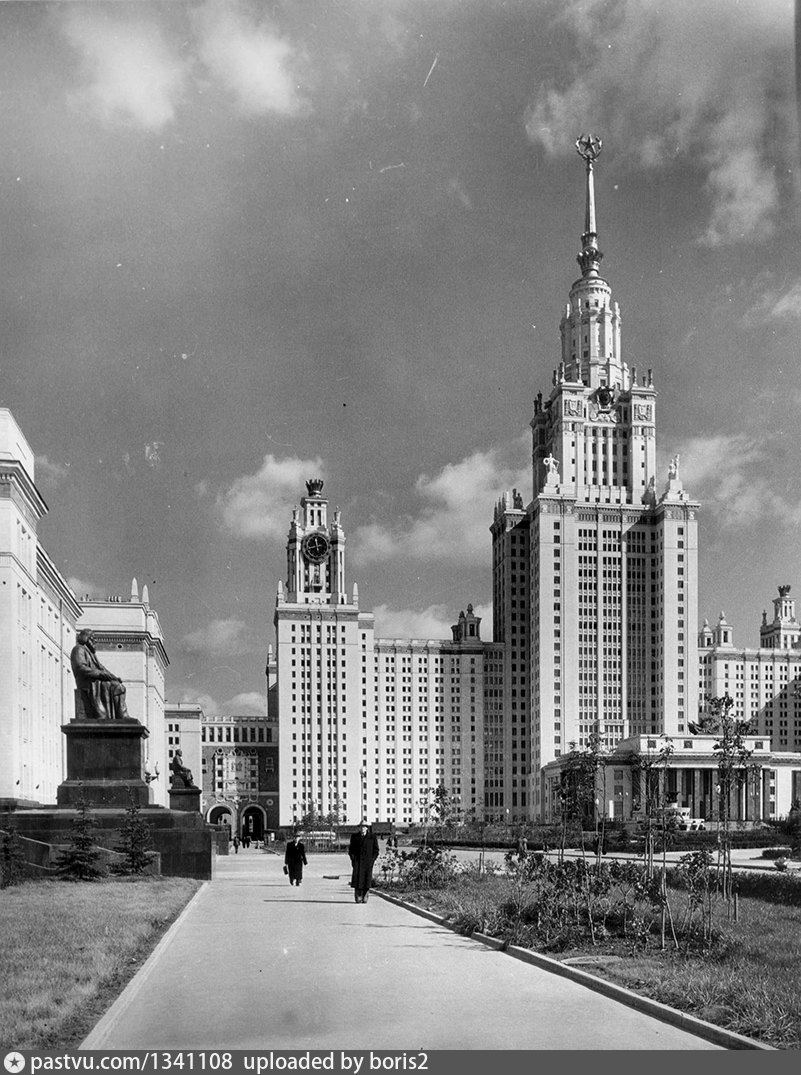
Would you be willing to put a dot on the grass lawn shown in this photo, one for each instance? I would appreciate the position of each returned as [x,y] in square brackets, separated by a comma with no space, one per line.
[68,948]
[749,983]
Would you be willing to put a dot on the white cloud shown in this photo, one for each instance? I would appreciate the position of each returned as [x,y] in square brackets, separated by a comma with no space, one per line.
[49,471]
[81,588]
[730,474]
[220,638]
[434,622]
[457,512]
[240,705]
[698,81]
[205,701]
[745,195]
[132,76]
[776,303]
[247,702]
[255,506]
[245,53]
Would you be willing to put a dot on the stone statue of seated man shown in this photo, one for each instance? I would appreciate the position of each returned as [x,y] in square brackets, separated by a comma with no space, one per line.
[181,775]
[102,693]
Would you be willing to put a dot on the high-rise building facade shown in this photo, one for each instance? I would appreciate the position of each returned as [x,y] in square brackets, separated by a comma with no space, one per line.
[508,743]
[324,656]
[367,726]
[613,572]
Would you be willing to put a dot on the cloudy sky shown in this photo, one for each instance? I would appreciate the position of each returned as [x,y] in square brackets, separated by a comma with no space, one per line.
[248,243]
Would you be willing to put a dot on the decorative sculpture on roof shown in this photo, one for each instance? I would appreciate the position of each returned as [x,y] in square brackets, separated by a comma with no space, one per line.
[552,470]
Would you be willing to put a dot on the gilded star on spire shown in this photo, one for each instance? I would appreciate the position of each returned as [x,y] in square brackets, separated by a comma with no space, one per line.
[589,147]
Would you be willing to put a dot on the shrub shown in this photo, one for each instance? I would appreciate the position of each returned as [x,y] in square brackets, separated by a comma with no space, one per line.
[424,867]
[12,860]
[135,839]
[775,852]
[784,888]
[80,860]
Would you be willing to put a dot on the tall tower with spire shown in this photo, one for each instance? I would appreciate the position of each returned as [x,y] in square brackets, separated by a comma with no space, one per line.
[613,545]
[323,671]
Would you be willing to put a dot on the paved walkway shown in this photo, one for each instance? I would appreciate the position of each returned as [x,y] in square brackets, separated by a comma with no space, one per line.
[254,963]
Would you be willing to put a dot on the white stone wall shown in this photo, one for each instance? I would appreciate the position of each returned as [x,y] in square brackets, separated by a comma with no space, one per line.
[38,612]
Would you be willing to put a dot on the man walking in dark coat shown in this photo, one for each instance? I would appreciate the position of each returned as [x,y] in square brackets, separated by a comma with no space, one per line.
[363,851]
[295,860]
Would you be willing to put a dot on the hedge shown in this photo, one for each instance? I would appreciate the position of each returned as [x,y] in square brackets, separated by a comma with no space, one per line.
[776,852]
[708,839]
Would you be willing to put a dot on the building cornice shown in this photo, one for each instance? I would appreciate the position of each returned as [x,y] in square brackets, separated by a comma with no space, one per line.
[50,575]
[13,559]
[108,640]
[735,653]
[16,484]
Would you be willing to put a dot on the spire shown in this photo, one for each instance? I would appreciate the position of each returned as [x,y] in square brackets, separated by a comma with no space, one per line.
[589,147]
[590,327]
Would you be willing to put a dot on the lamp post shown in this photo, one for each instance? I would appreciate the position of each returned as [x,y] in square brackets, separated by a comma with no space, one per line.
[333,804]
[362,778]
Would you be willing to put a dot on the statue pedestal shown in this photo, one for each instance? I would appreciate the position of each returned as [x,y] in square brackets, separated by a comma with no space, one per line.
[186,799]
[105,762]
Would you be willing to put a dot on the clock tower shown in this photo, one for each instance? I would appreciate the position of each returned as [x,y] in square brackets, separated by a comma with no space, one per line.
[315,551]
[324,674]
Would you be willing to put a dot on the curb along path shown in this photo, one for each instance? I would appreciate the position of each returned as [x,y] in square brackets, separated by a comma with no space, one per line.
[727,1039]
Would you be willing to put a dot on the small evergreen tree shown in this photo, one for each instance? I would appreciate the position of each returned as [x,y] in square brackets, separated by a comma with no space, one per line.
[445,808]
[80,860]
[135,838]
[578,787]
[794,828]
[311,819]
[12,860]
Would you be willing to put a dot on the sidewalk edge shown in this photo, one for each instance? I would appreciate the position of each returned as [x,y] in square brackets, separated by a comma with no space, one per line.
[96,1037]
[718,1035]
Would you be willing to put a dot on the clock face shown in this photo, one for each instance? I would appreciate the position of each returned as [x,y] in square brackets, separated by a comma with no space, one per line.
[316,548]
